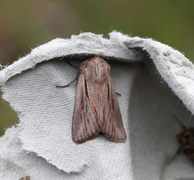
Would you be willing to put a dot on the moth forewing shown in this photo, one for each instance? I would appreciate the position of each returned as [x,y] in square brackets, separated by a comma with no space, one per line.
[186,141]
[96,107]
[25,178]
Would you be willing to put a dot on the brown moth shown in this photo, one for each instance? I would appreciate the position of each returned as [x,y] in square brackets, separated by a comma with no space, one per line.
[96,107]
[25,178]
[186,141]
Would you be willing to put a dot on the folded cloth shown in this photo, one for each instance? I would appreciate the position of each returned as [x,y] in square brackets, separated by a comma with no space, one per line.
[156,84]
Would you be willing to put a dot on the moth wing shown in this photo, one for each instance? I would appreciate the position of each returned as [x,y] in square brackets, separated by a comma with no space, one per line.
[84,124]
[25,178]
[112,125]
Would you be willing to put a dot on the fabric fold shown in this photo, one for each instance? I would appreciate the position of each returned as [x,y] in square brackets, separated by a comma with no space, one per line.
[155,82]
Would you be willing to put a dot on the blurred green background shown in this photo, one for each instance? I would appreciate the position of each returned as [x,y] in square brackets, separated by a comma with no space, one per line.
[27,24]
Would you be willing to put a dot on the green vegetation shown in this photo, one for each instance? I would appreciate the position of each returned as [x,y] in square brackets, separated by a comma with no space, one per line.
[27,24]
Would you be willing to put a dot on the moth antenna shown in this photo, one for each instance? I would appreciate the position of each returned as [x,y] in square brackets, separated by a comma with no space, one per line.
[72,65]
[181,124]
[67,85]
[174,157]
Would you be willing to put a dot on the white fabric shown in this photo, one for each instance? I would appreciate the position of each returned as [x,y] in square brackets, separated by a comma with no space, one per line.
[153,81]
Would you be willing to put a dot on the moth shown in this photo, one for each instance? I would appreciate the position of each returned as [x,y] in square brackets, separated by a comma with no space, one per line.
[96,108]
[186,141]
[25,178]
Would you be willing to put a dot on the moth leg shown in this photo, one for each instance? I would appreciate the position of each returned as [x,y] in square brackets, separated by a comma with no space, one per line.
[66,85]
[119,94]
